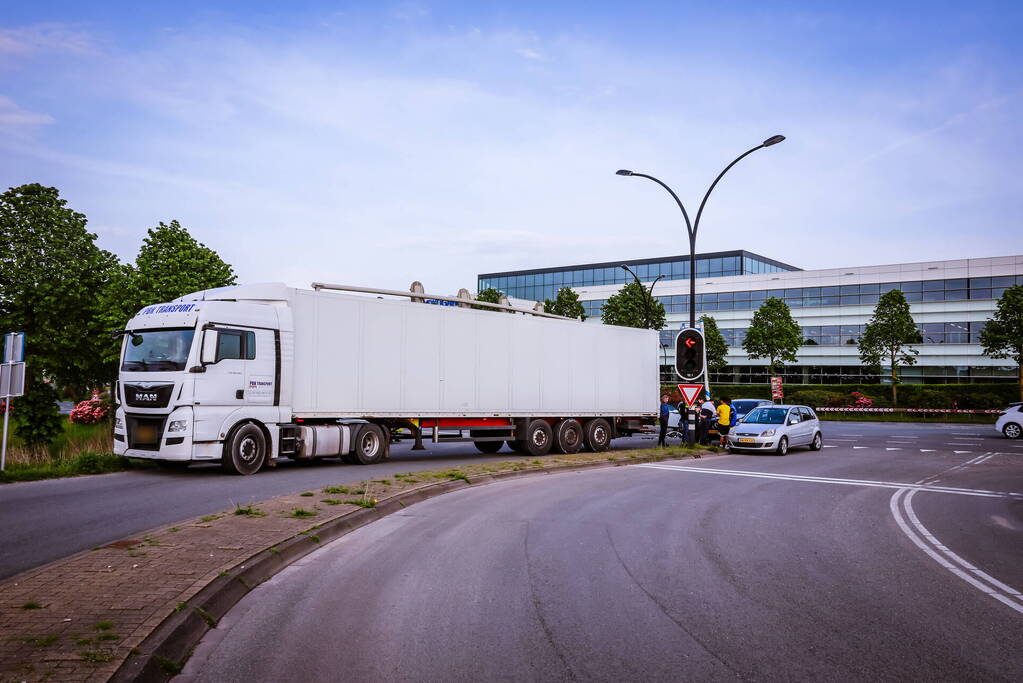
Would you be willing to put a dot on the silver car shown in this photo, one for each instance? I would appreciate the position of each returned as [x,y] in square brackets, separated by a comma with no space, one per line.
[776,428]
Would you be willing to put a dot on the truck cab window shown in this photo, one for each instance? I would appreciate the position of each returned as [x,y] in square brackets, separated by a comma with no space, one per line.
[236,345]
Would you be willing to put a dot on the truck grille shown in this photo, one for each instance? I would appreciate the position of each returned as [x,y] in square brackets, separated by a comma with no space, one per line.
[148,395]
[144,433]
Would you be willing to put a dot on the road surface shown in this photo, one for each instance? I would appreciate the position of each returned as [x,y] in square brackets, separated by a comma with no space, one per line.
[897,560]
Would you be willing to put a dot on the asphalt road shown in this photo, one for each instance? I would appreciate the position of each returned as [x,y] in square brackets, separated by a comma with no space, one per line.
[42,521]
[888,556]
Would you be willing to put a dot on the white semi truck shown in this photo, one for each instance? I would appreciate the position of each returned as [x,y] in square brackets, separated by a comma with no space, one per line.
[246,375]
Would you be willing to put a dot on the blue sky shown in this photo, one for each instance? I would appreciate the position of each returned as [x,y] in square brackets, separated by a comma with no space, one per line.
[376,143]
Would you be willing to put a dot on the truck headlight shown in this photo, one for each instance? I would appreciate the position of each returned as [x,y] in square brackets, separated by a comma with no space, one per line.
[177,426]
[118,423]
[766,432]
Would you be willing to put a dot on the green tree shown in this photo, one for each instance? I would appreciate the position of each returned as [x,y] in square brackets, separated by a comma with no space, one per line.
[633,306]
[170,264]
[773,334]
[889,336]
[566,303]
[51,274]
[36,420]
[717,347]
[488,296]
[1002,336]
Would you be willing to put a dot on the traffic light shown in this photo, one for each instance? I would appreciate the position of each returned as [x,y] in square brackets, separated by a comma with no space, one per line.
[689,354]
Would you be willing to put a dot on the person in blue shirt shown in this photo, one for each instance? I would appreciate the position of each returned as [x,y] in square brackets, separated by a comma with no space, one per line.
[665,412]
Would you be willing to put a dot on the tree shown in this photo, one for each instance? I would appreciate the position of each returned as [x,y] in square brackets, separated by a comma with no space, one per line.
[773,334]
[170,264]
[488,296]
[633,306]
[1002,336]
[889,336]
[51,273]
[566,303]
[717,347]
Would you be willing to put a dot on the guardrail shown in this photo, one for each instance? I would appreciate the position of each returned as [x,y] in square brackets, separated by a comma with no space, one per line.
[957,411]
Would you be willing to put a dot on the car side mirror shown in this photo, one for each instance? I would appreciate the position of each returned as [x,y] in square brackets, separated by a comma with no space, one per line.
[208,356]
[793,420]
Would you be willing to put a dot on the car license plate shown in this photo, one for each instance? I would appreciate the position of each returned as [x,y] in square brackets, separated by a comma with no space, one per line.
[746,440]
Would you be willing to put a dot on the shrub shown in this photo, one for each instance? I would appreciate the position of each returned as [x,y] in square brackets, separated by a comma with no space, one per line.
[815,398]
[858,400]
[930,398]
[90,412]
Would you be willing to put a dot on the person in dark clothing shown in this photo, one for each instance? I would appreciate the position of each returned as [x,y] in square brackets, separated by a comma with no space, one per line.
[683,420]
[665,412]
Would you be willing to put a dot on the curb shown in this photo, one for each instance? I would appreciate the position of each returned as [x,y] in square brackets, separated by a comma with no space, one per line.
[162,654]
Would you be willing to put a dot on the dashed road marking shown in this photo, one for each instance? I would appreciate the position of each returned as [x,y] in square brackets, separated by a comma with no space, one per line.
[893,449]
[926,450]
[827,446]
[961,452]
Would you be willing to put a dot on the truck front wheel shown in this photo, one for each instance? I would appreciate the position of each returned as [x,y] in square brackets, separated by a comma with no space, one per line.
[370,445]
[245,451]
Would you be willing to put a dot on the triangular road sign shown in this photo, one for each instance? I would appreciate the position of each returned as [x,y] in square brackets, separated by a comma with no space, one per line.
[690,392]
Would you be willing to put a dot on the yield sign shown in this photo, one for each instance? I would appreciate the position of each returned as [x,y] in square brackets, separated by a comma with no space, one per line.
[690,392]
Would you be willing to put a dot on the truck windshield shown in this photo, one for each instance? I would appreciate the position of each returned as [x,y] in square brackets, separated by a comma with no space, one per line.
[766,416]
[157,350]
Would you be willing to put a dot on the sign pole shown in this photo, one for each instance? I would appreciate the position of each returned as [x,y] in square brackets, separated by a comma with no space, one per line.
[3,451]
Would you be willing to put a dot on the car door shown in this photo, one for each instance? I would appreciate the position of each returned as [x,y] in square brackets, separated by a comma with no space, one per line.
[812,421]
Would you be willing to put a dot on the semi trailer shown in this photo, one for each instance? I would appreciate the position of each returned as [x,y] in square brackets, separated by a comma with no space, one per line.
[249,374]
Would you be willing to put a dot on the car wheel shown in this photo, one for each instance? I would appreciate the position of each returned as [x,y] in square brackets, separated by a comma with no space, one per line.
[597,435]
[728,447]
[370,445]
[568,436]
[539,438]
[1012,430]
[245,451]
[817,443]
[783,446]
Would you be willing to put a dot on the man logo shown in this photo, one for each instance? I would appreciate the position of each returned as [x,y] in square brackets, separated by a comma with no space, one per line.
[145,397]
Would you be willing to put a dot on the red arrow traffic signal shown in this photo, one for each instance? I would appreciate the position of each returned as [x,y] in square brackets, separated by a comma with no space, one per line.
[689,354]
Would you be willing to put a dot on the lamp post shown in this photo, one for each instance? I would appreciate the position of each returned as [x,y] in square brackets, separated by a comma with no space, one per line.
[692,228]
[649,303]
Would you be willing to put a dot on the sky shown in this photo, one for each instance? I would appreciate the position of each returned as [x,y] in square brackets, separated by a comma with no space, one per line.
[376,144]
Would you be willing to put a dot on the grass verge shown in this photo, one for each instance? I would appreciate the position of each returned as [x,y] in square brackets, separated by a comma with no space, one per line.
[71,466]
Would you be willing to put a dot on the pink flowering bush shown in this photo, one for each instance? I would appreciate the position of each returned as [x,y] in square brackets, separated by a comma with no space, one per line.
[860,401]
[89,412]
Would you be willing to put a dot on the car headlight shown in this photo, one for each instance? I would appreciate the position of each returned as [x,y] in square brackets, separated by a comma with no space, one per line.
[767,432]
[118,423]
[177,426]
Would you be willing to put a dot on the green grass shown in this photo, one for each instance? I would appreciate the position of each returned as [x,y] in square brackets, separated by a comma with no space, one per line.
[104,625]
[307,494]
[43,641]
[362,503]
[84,463]
[302,512]
[95,656]
[108,636]
[31,604]
[336,489]
[248,510]
[331,501]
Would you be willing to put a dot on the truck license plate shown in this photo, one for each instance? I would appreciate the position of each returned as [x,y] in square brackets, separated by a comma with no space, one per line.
[745,440]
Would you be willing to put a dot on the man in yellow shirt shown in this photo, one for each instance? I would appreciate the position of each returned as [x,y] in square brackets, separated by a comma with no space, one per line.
[724,411]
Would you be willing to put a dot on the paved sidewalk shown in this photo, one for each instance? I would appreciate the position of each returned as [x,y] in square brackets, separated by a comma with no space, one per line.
[80,618]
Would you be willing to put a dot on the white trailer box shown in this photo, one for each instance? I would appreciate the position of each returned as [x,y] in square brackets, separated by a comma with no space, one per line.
[361,356]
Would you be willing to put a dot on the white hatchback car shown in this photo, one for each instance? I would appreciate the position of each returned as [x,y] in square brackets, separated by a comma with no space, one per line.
[777,428]
[1010,421]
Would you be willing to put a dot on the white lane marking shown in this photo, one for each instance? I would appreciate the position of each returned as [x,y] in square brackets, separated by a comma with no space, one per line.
[926,541]
[926,450]
[827,446]
[830,480]
[859,447]
[961,452]
[893,449]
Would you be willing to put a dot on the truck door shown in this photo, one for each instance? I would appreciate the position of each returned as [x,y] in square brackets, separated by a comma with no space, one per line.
[224,381]
[260,367]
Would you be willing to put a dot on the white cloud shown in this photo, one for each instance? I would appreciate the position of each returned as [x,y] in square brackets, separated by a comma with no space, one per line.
[13,116]
[46,38]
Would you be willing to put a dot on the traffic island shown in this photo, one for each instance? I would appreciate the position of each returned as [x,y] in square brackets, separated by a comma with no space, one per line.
[133,610]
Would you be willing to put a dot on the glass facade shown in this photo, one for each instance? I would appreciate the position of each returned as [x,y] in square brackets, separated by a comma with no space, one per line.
[836,335]
[537,286]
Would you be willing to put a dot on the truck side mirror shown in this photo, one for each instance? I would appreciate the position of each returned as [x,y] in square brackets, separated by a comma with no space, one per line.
[209,347]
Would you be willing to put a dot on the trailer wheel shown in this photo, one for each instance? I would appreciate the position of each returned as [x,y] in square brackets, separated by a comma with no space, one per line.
[597,434]
[485,446]
[568,436]
[370,445]
[245,450]
[518,446]
[539,438]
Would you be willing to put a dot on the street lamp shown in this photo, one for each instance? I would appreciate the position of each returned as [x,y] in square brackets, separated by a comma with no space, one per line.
[692,228]
[649,304]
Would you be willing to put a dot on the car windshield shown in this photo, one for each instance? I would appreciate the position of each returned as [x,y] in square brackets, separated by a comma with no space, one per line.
[745,406]
[157,350]
[766,416]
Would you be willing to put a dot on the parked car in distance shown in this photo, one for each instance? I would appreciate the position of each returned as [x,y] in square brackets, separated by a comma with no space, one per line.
[1010,421]
[742,406]
[776,428]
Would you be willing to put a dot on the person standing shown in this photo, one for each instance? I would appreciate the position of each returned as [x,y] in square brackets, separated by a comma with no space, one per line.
[724,411]
[665,413]
[704,421]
